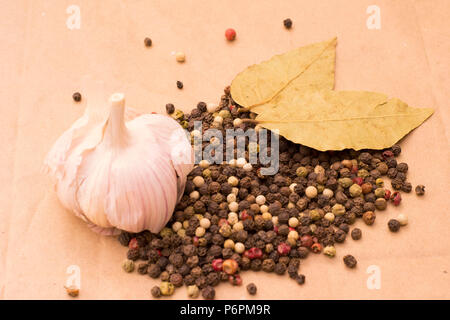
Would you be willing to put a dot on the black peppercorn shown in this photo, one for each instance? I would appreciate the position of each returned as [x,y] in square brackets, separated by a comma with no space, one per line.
[148,42]
[76,97]
[208,293]
[350,261]
[356,234]
[170,108]
[394,225]
[156,292]
[251,289]
[179,85]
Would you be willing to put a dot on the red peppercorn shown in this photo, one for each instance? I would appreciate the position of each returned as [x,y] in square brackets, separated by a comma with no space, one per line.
[133,244]
[275,229]
[316,247]
[195,241]
[387,194]
[397,198]
[244,215]
[230,34]
[358,180]
[222,222]
[291,229]
[159,253]
[306,241]
[253,253]
[235,280]
[354,169]
[232,107]
[217,264]
[283,249]
[388,154]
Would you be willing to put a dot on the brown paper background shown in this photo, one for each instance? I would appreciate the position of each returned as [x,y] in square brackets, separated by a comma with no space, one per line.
[43,62]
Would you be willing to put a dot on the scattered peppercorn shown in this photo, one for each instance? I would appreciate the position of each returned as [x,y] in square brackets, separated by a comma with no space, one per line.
[287,23]
[170,108]
[148,42]
[420,190]
[208,293]
[179,85]
[394,225]
[350,261]
[230,34]
[251,288]
[76,97]
[156,292]
[356,234]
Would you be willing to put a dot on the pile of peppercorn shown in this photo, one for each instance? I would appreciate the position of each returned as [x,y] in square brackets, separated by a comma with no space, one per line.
[231,218]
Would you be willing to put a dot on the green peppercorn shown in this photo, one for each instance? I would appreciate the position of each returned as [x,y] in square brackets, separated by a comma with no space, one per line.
[379,182]
[380,204]
[329,251]
[193,291]
[345,182]
[301,172]
[355,190]
[363,173]
[224,114]
[314,215]
[178,115]
[338,209]
[128,265]
[206,173]
[166,232]
[380,192]
[184,124]
[167,289]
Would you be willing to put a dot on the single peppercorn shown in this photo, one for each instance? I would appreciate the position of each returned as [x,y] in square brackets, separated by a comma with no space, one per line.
[208,293]
[156,292]
[76,97]
[300,279]
[287,23]
[251,289]
[170,108]
[179,85]
[148,42]
[128,265]
[420,190]
[72,291]
[356,234]
[350,261]
[394,225]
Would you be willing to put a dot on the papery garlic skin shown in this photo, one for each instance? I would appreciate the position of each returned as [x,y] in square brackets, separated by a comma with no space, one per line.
[124,172]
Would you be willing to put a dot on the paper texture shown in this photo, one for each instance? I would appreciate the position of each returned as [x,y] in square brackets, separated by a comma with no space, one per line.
[44,62]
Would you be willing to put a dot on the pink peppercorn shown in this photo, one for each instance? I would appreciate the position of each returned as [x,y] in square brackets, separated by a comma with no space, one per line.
[316,247]
[217,264]
[354,169]
[244,215]
[275,229]
[133,244]
[235,280]
[283,249]
[306,241]
[358,180]
[387,194]
[222,222]
[397,198]
[253,253]
[159,253]
[195,241]
[388,154]
[230,34]
[291,229]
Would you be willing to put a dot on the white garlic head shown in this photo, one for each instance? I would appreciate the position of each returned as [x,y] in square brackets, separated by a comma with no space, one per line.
[123,170]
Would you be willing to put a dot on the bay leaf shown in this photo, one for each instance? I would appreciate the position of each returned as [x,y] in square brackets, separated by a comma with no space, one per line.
[337,120]
[304,68]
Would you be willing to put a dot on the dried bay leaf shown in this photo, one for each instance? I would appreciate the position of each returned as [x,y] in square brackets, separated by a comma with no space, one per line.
[305,68]
[337,120]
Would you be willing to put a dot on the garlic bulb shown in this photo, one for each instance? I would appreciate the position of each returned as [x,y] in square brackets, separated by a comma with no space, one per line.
[123,171]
